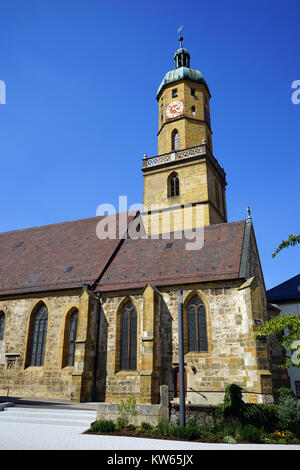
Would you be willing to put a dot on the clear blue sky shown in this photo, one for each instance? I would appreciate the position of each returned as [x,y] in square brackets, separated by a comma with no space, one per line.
[81,78]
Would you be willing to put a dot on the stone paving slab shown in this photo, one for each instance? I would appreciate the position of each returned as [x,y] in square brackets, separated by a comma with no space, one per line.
[16,436]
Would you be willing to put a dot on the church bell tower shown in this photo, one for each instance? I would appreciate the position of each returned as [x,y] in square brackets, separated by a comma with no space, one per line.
[184,177]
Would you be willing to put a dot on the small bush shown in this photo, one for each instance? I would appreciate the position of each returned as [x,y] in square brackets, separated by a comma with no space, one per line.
[286,435]
[127,411]
[164,427]
[285,392]
[189,432]
[121,423]
[233,404]
[250,433]
[103,426]
[288,411]
[261,416]
[229,440]
[146,427]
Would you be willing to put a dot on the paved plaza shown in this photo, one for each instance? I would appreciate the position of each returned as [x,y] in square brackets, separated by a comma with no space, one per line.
[61,428]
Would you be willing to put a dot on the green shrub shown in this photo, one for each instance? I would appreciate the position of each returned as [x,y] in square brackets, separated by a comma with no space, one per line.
[127,411]
[288,411]
[261,416]
[103,426]
[232,427]
[192,432]
[233,400]
[146,427]
[229,440]
[250,433]
[189,432]
[121,423]
[164,427]
[285,392]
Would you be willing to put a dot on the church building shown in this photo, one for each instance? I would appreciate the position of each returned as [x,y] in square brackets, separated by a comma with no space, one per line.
[92,319]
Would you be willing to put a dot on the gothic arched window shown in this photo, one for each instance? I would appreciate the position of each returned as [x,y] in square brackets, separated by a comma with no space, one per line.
[175,139]
[71,332]
[173,185]
[128,350]
[196,324]
[38,336]
[2,325]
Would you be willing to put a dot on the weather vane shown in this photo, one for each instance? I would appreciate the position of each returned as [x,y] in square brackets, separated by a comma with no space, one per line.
[180,35]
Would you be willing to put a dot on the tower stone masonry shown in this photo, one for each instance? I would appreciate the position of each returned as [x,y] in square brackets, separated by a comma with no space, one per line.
[185,155]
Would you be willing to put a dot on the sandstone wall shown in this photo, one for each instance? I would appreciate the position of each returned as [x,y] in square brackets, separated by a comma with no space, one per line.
[50,380]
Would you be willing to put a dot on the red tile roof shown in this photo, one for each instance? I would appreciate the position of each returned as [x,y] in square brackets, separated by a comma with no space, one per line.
[145,260]
[37,259]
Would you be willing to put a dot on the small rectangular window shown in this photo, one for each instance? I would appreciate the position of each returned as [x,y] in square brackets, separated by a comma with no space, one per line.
[193,109]
[193,92]
[174,93]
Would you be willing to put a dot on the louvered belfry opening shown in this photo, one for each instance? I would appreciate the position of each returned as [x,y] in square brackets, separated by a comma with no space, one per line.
[128,350]
[197,327]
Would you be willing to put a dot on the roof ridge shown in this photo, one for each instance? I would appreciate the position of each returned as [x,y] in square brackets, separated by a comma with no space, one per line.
[60,223]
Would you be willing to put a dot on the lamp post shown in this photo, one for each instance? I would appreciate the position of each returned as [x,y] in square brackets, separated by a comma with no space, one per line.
[181,359]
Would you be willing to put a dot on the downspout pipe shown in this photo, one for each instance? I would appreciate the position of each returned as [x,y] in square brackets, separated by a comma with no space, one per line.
[95,375]
[181,359]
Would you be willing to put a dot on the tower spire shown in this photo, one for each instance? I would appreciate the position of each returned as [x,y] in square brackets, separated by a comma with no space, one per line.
[180,35]
[182,56]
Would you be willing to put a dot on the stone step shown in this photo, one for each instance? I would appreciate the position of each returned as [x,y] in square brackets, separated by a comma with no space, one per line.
[31,420]
[50,411]
[41,415]
[50,415]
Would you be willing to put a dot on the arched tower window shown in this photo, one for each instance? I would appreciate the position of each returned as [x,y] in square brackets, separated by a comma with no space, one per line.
[128,349]
[173,185]
[196,324]
[38,336]
[71,334]
[175,139]
[2,325]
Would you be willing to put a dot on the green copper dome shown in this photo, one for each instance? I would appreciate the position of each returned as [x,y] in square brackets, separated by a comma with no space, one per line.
[182,70]
[182,73]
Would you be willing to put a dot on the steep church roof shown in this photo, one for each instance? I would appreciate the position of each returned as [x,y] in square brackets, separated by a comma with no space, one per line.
[167,262]
[59,256]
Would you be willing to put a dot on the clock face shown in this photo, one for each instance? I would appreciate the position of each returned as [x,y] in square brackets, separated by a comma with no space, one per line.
[174,109]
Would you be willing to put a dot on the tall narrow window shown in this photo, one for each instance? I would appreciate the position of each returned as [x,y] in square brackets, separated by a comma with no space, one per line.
[193,109]
[175,140]
[38,336]
[173,185]
[2,325]
[196,322]
[128,350]
[72,333]
[218,200]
